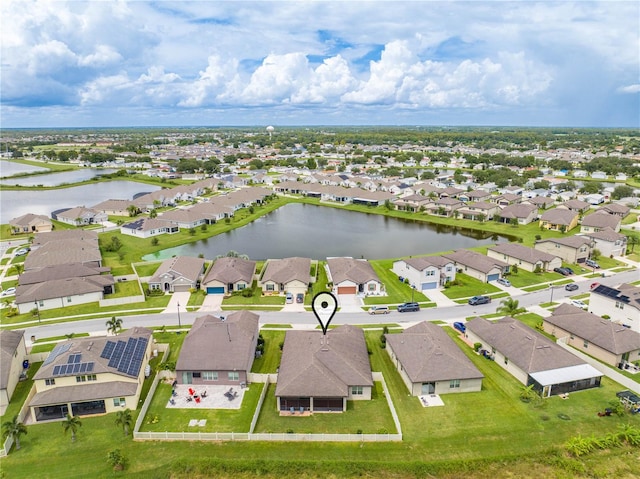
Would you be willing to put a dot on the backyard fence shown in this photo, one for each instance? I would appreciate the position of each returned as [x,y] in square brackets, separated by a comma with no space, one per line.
[122,300]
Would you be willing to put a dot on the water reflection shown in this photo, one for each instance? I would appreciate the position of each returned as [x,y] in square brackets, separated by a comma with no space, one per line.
[59,178]
[10,168]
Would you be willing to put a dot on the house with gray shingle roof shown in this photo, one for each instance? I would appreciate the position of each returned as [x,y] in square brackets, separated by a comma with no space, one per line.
[321,373]
[531,357]
[229,274]
[81,216]
[559,219]
[598,221]
[425,272]
[219,350]
[572,249]
[609,242]
[526,258]
[478,265]
[621,304]
[429,362]
[615,209]
[292,275]
[12,354]
[523,213]
[30,223]
[603,339]
[352,276]
[181,273]
[148,227]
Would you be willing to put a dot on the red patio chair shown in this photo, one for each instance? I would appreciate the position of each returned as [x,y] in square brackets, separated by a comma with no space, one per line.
[197,400]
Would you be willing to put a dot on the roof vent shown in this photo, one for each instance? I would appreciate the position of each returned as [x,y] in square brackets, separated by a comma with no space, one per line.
[89,346]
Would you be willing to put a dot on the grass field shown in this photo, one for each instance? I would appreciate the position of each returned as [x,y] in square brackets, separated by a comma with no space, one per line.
[469,287]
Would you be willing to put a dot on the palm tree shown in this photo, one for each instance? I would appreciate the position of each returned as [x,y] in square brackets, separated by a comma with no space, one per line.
[633,241]
[18,268]
[71,423]
[124,419]
[13,429]
[114,325]
[510,307]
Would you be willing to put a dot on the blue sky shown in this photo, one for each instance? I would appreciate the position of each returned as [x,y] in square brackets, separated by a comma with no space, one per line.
[217,63]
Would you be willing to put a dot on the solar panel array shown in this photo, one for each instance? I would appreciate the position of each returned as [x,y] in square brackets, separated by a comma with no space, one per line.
[74,368]
[74,358]
[108,350]
[125,356]
[57,351]
[610,293]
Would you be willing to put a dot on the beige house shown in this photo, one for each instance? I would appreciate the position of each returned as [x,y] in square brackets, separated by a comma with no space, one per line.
[219,350]
[477,265]
[321,373]
[353,276]
[605,340]
[478,211]
[114,207]
[599,221]
[572,249]
[429,362]
[30,223]
[92,375]
[287,275]
[529,259]
[13,353]
[621,304]
[81,216]
[523,213]
[179,274]
[229,274]
[608,242]
[559,219]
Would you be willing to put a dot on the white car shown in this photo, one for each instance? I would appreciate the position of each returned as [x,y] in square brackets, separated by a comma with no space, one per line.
[579,304]
[22,251]
[8,292]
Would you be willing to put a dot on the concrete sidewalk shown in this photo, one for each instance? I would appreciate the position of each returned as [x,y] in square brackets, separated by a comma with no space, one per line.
[439,298]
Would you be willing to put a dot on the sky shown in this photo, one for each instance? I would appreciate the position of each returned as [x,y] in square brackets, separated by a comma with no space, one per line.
[246,63]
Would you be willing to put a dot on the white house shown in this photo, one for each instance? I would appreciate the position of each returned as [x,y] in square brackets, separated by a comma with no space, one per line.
[425,272]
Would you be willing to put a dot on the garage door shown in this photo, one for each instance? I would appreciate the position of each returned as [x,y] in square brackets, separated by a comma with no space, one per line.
[493,277]
[347,290]
[183,288]
[216,290]
[424,286]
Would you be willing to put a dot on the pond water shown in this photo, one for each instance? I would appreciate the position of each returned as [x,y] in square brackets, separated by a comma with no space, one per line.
[10,168]
[14,203]
[320,232]
[59,178]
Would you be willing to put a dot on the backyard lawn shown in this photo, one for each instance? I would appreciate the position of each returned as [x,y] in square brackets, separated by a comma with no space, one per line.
[469,287]
[270,360]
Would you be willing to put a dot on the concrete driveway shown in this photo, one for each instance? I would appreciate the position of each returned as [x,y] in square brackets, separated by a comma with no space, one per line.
[349,303]
[180,299]
[212,302]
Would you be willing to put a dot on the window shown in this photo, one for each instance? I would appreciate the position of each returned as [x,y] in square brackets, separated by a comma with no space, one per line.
[449,268]
[210,375]
[90,377]
[241,286]
[372,286]
[41,303]
[506,360]
[119,402]
[454,383]
[431,272]
[68,299]
[81,379]
[197,375]
[356,390]
[233,376]
[50,382]
[270,287]
[586,343]
[619,305]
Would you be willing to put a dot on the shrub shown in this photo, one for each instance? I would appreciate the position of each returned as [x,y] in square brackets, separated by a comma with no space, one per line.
[117,460]
[477,346]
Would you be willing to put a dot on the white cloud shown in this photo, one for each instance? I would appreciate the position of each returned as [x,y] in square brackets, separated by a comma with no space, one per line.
[103,55]
[102,89]
[630,88]
[211,82]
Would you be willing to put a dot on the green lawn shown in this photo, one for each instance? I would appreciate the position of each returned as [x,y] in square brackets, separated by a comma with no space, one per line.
[397,291]
[256,299]
[527,278]
[147,269]
[124,289]
[469,287]
[196,299]
[270,360]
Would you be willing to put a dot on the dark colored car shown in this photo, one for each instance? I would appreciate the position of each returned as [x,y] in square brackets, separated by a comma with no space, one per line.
[571,287]
[563,271]
[479,300]
[407,307]
[299,298]
[460,326]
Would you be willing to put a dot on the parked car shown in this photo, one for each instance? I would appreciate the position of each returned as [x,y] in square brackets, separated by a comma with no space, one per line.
[594,285]
[563,271]
[592,264]
[571,287]
[479,300]
[579,304]
[22,251]
[504,282]
[460,326]
[407,307]
[289,298]
[379,310]
[8,292]
[299,298]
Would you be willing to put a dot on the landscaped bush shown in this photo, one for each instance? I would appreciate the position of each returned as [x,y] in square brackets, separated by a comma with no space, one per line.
[477,346]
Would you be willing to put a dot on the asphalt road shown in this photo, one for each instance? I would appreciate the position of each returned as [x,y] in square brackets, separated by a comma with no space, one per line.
[448,314]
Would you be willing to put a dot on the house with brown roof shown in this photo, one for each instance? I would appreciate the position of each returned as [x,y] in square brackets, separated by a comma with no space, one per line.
[321,373]
[541,202]
[178,274]
[577,206]
[184,218]
[616,209]
[531,357]
[148,227]
[526,258]
[229,274]
[478,265]
[81,216]
[507,199]
[114,207]
[30,223]
[603,339]
[64,247]
[425,272]
[523,213]
[444,206]
[352,276]
[559,219]
[292,275]
[429,362]
[13,353]
[478,211]
[598,221]
[219,350]
[608,242]
[621,304]
[572,249]
[92,375]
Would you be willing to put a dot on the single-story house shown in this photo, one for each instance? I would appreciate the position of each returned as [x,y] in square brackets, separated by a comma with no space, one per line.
[621,304]
[114,207]
[598,221]
[92,375]
[30,223]
[429,362]
[541,202]
[64,247]
[181,273]
[559,219]
[531,357]
[577,206]
[605,340]
[572,249]
[148,227]
[13,353]
[81,216]
[507,199]
[229,274]
[523,213]
[321,373]
[183,218]
[292,275]
[425,272]
[526,258]
[353,276]
[608,242]
[478,265]
[616,209]
[219,350]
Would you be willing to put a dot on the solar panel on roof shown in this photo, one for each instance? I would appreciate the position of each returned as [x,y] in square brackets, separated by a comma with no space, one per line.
[56,370]
[83,367]
[89,367]
[57,351]
[134,368]
[117,354]
[108,350]
[63,370]
[140,348]
[76,368]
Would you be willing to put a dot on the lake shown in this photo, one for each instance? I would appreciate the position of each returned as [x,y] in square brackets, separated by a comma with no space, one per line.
[10,168]
[59,178]
[16,203]
[320,232]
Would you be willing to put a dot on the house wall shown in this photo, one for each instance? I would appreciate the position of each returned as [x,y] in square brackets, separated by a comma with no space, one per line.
[365,396]
[527,266]
[61,302]
[500,360]
[15,369]
[479,274]
[607,248]
[223,378]
[417,278]
[618,312]
[569,255]
[579,343]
